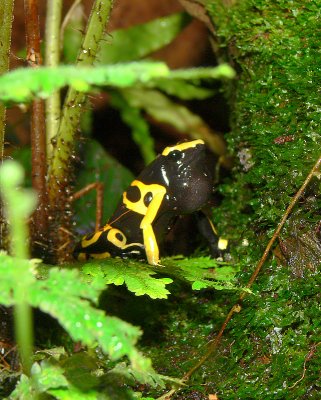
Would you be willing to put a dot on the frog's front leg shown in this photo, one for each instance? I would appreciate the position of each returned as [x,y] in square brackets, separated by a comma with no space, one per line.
[146,200]
[150,241]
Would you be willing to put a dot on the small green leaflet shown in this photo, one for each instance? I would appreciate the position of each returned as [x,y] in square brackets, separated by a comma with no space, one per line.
[137,277]
[66,297]
[140,40]
[202,272]
[133,117]
[23,84]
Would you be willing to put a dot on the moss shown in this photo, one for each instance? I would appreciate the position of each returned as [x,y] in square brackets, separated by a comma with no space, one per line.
[271,348]
[275,48]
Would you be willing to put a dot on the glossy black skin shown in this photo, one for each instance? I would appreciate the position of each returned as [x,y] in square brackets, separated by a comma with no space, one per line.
[188,177]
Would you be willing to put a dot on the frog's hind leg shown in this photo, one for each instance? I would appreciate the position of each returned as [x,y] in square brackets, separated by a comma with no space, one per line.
[217,244]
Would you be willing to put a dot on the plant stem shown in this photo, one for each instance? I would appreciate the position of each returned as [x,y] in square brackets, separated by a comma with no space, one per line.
[52,56]
[6,17]
[60,164]
[18,206]
[38,137]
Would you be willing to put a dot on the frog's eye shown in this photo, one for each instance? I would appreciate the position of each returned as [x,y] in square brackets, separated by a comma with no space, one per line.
[175,155]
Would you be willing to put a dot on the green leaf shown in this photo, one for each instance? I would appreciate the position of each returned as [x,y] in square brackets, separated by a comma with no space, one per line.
[22,85]
[81,370]
[73,393]
[137,277]
[99,166]
[163,109]
[48,378]
[182,89]
[10,272]
[140,128]
[48,375]
[23,390]
[67,298]
[153,379]
[202,272]
[140,40]
[221,71]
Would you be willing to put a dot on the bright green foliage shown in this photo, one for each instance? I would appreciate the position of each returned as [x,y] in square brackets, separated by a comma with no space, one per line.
[139,126]
[81,377]
[202,272]
[163,109]
[154,380]
[137,277]
[98,166]
[49,378]
[184,90]
[10,270]
[21,85]
[18,205]
[67,298]
[273,343]
[23,390]
[274,97]
[140,40]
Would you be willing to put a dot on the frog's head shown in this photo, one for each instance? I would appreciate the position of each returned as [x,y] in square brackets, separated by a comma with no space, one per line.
[184,165]
[183,158]
[185,161]
[183,148]
[188,173]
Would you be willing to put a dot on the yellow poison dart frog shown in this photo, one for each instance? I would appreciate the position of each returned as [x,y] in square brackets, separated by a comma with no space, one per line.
[179,181]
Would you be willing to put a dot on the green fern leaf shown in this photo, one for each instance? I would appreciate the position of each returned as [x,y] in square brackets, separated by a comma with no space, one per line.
[64,296]
[8,272]
[22,84]
[202,272]
[138,277]
[140,40]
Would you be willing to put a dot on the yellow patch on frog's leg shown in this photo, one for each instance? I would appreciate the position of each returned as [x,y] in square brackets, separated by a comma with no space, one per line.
[150,242]
[99,256]
[212,226]
[182,146]
[151,246]
[222,244]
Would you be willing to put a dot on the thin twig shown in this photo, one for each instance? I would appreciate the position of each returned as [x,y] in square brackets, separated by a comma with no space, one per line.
[99,187]
[212,345]
[5,42]
[38,138]
[306,359]
[52,57]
